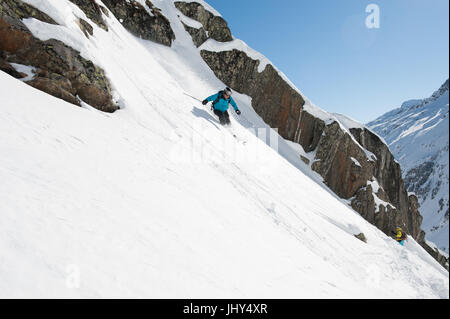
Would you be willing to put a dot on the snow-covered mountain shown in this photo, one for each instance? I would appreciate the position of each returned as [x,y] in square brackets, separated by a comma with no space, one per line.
[418,136]
[157,199]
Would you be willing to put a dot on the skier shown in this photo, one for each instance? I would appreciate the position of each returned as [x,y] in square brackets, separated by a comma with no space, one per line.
[400,236]
[220,104]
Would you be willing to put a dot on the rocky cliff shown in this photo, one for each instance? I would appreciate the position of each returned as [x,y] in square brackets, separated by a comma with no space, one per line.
[354,162]
[146,23]
[214,27]
[60,70]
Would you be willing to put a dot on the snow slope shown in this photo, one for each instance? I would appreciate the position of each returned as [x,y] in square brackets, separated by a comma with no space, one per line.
[157,200]
[418,136]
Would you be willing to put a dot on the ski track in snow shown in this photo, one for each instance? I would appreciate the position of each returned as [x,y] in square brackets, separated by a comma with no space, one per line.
[129,205]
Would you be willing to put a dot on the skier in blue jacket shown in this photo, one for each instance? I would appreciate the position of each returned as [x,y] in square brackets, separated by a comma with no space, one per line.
[220,104]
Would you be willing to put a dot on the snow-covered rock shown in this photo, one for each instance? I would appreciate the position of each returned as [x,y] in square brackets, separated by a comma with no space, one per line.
[330,143]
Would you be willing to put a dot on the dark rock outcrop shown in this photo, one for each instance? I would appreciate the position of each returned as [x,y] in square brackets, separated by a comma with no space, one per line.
[9,69]
[311,129]
[361,237]
[385,217]
[387,169]
[273,99]
[415,219]
[60,70]
[85,27]
[349,170]
[19,10]
[216,26]
[433,251]
[93,11]
[135,18]
[334,162]
[58,86]
[199,36]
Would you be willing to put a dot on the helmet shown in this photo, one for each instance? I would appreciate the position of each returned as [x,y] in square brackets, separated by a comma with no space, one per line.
[399,228]
[228,91]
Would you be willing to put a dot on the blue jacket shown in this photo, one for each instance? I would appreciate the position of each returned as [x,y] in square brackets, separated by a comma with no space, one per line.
[222,105]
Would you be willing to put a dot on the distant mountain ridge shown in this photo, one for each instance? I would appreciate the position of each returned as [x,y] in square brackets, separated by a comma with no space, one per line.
[418,136]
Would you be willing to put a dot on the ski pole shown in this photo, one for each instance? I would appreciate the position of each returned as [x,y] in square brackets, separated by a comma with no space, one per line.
[192,97]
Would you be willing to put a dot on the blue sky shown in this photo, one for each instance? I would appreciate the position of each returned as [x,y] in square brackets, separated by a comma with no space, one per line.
[326,50]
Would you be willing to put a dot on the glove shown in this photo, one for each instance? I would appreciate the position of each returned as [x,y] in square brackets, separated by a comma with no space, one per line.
[238,112]
[205,102]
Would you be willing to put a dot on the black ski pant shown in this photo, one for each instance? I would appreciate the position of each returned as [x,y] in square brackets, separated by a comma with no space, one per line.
[224,117]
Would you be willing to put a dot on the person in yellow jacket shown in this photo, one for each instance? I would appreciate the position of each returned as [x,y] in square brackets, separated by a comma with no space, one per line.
[400,236]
